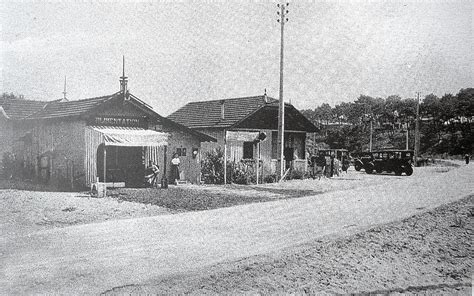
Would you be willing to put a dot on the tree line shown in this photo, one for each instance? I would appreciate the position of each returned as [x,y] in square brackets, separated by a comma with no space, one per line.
[446,123]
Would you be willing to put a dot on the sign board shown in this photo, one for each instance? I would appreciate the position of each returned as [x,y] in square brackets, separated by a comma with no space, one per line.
[241,136]
[118,121]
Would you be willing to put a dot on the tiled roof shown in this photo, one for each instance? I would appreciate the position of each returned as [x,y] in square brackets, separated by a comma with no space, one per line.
[18,109]
[58,109]
[267,118]
[208,113]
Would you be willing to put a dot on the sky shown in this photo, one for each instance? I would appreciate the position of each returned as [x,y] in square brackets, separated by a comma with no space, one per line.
[182,51]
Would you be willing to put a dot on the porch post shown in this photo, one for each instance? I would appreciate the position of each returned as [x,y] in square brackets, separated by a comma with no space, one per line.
[105,170]
[258,159]
[225,157]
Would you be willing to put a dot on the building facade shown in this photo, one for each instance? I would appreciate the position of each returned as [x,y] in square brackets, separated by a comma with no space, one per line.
[112,138]
[235,123]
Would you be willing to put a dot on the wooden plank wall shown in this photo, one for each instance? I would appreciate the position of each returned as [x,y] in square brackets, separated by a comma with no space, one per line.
[92,140]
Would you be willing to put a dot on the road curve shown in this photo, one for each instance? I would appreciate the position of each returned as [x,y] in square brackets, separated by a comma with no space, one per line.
[93,258]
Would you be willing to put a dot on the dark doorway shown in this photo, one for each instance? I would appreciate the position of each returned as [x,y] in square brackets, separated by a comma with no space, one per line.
[124,164]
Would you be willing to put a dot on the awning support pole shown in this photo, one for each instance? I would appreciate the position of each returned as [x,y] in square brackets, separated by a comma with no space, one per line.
[164,178]
[105,170]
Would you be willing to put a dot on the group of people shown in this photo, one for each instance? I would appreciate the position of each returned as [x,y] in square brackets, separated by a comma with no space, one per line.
[153,170]
[328,166]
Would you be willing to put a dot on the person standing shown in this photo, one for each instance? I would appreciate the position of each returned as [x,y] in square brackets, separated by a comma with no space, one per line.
[152,172]
[175,168]
[321,166]
[345,164]
[466,158]
[331,166]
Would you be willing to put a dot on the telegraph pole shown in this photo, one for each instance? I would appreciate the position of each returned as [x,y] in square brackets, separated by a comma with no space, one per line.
[371,134]
[281,114]
[406,146]
[417,128]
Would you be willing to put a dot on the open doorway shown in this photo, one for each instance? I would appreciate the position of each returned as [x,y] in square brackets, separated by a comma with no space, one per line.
[123,164]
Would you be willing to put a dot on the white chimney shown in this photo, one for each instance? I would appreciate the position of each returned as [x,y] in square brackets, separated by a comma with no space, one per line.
[223,109]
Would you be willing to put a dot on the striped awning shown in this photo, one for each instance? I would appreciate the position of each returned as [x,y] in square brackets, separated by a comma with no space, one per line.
[131,136]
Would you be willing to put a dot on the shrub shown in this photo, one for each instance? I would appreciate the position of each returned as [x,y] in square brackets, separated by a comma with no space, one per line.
[270,178]
[8,165]
[212,167]
[296,174]
[242,173]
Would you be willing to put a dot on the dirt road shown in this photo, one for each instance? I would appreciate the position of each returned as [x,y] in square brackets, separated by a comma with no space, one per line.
[93,258]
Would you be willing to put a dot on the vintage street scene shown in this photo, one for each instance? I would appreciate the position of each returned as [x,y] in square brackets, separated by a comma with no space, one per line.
[236,148]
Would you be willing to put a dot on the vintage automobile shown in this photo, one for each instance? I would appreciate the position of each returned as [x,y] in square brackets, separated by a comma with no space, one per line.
[341,154]
[338,153]
[361,159]
[396,161]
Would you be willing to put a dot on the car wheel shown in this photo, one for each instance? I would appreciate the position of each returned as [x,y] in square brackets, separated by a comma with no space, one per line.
[369,168]
[379,170]
[357,167]
[398,171]
[409,170]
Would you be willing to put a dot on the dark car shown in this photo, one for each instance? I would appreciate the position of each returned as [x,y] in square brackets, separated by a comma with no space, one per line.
[341,154]
[337,153]
[391,161]
[361,159]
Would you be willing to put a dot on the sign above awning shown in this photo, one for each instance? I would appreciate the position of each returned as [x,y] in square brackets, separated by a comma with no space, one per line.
[241,136]
[130,136]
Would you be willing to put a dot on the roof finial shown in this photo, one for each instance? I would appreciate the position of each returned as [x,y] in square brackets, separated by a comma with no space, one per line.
[265,99]
[64,92]
[123,79]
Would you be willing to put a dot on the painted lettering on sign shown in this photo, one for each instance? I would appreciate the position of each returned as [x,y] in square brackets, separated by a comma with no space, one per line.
[118,121]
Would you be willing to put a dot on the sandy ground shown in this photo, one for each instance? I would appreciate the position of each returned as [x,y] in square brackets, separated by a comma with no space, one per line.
[428,254]
[25,212]
[206,197]
[97,257]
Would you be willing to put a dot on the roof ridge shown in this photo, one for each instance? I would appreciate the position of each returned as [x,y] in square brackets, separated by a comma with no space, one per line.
[228,99]
[59,103]
[88,99]
[22,100]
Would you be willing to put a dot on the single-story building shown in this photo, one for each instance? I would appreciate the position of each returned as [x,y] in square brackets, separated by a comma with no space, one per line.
[238,120]
[66,142]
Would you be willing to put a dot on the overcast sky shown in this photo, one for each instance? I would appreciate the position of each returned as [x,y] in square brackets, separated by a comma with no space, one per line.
[182,51]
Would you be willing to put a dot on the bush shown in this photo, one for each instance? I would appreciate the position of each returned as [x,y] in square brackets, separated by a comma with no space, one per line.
[212,167]
[270,178]
[8,165]
[296,174]
[242,173]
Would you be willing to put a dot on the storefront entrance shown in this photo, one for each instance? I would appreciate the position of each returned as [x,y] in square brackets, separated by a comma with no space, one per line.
[123,164]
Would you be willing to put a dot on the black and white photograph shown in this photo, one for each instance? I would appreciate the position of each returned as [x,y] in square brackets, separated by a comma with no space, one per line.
[241,147]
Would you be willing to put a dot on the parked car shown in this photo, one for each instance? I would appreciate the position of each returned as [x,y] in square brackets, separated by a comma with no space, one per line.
[338,153]
[391,161]
[361,159]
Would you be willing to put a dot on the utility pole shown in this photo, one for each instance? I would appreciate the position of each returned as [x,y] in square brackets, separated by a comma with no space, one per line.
[406,147]
[371,132]
[417,128]
[281,114]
